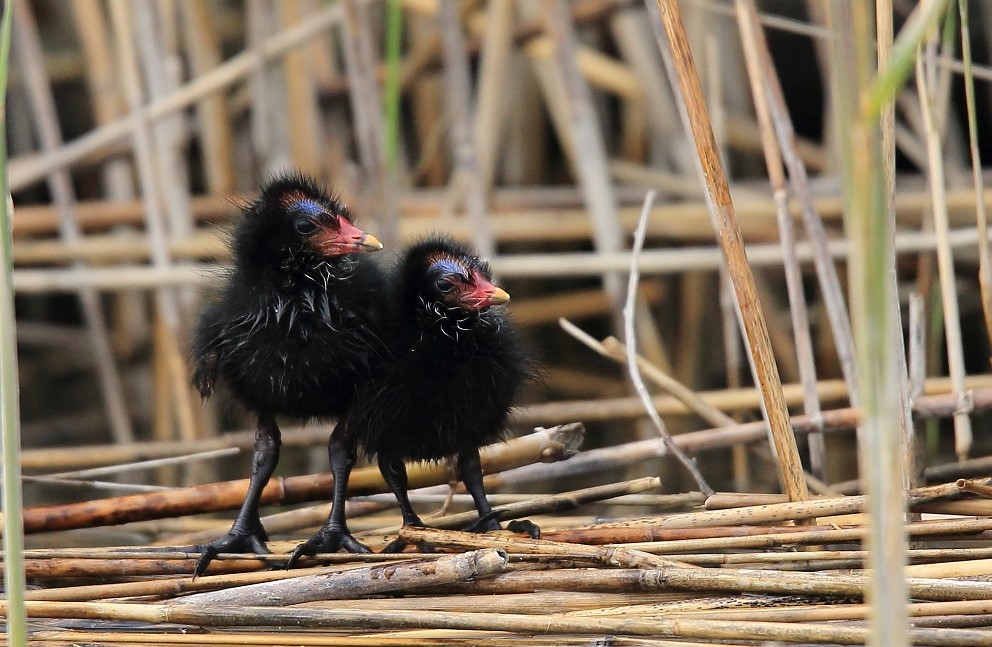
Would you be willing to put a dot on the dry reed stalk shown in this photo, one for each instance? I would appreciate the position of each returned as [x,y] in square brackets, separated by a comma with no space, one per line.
[537,602]
[166,587]
[31,62]
[759,72]
[830,287]
[141,465]
[589,162]
[833,419]
[110,569]
[64,458]
[632,364]
[517,227]
[732,245]
[846,611]
[758,538]
[613,349]
[945,258]
[517,213]
[92,456]
[490,109]
[576,304]
[982,489]
[167,306]
[360,582]
[346,618]
[101,139]
[366,104]
[628,453]
[884,34]
[303,118]
[203,49]
[615,556]
[543,504]
[422,638]
[467,169]
[984,259]
[545,445]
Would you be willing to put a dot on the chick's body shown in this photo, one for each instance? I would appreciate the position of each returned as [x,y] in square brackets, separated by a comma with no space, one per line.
[454,366]
[452,373]
[295,347]
[295,327]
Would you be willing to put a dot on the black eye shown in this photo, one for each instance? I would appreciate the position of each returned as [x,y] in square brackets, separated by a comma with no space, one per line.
[444,286]
[305,226]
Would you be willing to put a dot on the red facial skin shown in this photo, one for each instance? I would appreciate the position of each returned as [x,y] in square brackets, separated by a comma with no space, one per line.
[480,293]
[345,238]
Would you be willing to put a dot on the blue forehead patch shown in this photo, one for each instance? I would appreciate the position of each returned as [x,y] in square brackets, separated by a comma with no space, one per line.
[448,266]
[309,207]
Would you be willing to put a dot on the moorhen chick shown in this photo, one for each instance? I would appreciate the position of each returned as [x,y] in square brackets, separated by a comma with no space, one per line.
[294,330]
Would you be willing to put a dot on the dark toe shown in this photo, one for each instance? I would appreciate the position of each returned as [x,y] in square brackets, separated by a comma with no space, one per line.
[526,527]
[250,543]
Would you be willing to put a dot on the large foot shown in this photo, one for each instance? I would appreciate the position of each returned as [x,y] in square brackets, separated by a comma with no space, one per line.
[489,522]
[327,541]
[234,542]
[399,545]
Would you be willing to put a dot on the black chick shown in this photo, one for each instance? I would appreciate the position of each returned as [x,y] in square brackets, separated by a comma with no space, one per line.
[294,328]
[454,367]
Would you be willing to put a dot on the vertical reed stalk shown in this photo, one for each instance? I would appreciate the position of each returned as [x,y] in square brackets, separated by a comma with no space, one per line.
[392,86]
[859,98]
[984,262]
[945,257]
[724,217]
[10,434]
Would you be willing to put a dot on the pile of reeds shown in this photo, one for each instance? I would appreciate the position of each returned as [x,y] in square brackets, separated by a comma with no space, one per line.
[549,135]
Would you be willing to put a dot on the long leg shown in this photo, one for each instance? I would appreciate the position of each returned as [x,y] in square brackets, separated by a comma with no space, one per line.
[393,471]
[247,534]
[334,535]
[470,468]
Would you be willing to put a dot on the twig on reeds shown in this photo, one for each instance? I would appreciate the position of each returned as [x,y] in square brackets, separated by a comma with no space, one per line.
[695,441]
[94,484]
[633,369]
[974,487]
[732,245]
[945,260]
[32,65]
[146,464]
[544,504]
[10,423]
[613,349]
[544,445]
[759,74]
[614,555]
[361,582]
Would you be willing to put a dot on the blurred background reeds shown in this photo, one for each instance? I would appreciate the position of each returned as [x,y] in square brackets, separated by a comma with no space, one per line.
[532,130]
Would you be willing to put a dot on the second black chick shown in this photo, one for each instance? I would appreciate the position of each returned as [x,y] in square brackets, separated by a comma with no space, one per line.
[454,367]
[293,331]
